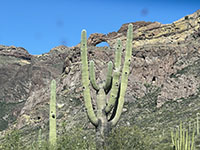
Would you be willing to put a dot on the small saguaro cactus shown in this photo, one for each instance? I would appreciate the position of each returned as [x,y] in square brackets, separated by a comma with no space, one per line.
[52,114]
[197,123]
[112,85]
[39,143]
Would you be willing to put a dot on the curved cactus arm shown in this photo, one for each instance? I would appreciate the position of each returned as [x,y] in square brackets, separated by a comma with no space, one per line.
[92,76]
[85,80]
[109,77]
[125,74]
[115,80]
[52,114]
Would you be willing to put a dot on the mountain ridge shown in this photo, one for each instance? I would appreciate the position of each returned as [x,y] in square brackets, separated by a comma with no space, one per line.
[164,71]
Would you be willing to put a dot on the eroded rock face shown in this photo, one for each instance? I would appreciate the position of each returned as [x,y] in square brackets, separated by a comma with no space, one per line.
[153,32]
[165,57]
[17,52]
[22,74]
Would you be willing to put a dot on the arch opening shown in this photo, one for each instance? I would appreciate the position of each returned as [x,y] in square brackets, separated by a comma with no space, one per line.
[102,44]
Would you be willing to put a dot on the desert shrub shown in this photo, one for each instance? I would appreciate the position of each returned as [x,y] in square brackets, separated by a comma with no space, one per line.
[121,138]
[76,139]
[128,138]
[12,141]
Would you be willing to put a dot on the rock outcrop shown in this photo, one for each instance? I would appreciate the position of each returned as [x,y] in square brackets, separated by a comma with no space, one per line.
[166,62]
[146,33]
[21,75]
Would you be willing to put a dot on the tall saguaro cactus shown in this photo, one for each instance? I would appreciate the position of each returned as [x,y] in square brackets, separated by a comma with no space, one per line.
[52,115]
[112,84]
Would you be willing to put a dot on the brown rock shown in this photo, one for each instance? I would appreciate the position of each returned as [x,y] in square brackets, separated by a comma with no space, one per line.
[164,57]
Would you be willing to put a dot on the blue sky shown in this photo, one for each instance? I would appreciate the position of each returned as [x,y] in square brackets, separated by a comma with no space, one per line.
[39,25]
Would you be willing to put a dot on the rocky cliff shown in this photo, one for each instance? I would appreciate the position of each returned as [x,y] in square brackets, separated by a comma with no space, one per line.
[163,84]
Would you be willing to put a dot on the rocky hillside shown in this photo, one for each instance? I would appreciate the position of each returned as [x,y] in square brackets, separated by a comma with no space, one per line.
[164,84]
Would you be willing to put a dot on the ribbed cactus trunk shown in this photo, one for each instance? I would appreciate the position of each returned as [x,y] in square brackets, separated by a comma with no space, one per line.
[103,128]
[52,115]
[102,133]
[111,85]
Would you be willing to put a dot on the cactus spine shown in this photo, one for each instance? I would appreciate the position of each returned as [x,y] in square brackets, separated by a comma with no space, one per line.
[112,83]
[52,114]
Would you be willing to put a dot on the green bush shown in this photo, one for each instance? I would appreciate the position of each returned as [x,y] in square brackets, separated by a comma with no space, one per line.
[121,138]
[128,138]
[12,141]
[76,139]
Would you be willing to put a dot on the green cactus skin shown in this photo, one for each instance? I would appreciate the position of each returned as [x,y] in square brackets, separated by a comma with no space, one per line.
[92,76]
[177,140]
[183,140]
[116,76]
[181,135]
[108,77]
[125,74]
[193,136]
[85,80]
[100,120]
[186,139]
[189,142]
[172,137]
[52,114]
[39,139]
[197,123]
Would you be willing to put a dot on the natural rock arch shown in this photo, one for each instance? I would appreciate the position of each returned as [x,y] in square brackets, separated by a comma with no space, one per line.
[102,44]
[96,38]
